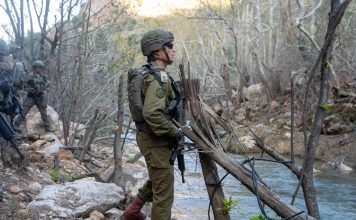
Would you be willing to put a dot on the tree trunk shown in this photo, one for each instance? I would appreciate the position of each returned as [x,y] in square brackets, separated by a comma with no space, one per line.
[335,16]
[211,176]
[257,53]
[44,31]
[227,84]
[118,129]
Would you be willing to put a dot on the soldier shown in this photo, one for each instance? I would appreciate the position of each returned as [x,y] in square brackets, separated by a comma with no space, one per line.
[37,89]
[8,103]
[155,131]
[19,71]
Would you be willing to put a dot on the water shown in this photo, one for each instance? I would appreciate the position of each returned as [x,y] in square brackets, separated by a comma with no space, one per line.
[336,192]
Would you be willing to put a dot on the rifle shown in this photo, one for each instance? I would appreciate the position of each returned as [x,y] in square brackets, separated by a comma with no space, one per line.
[174,110]
[177,154]
[8,134]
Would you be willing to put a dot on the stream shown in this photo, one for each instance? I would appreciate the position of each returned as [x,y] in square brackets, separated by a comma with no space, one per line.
[336,192]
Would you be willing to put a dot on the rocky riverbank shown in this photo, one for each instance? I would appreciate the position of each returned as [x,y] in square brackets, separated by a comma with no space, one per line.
[54,184]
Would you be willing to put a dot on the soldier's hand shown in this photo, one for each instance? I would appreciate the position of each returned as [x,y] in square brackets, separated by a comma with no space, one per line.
[179,137]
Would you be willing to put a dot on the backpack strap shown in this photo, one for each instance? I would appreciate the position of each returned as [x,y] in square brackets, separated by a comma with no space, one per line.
[153,73]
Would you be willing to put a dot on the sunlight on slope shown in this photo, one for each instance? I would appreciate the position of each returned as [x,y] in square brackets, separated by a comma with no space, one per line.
[152,8]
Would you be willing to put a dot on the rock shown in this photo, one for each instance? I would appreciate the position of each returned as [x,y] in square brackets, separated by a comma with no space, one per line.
[274,104]
[65,155]
[48,137]
[255,93]
[113,214]
[70,167]
[33,120]
[37,144]
[22,214]
[35,187]
[54,146]
[334,124]
[96,215]
[76,199]
[344,168]
[15,189]
[22,205]
[25,146]
[46,178]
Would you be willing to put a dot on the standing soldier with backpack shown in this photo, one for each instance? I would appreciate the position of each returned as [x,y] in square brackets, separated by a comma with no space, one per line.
[9,104]
[150,90]
[37,88]
[19,71]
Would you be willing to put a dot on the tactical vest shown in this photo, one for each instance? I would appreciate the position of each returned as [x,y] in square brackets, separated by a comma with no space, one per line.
[37,85]
[136,99]
[6,66]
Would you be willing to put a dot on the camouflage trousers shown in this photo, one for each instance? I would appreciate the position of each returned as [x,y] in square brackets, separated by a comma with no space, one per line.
[159,189]
[41,104]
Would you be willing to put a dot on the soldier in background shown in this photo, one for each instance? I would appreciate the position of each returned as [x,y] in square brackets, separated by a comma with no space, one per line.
[37,91]
[9,105]
[19,71]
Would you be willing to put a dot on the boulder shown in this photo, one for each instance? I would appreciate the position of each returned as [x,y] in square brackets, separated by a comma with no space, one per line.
[54,146]
[113,214]
[34,187]
[76,199]
[96,215]
[334,124]
[37,144]
[65,155]
[33,122]
[255,93]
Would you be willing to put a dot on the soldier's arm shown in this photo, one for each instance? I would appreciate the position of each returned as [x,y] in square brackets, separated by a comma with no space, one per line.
[153,111]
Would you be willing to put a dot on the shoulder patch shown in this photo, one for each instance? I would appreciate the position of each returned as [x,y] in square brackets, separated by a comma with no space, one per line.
[160,92]
[164,76]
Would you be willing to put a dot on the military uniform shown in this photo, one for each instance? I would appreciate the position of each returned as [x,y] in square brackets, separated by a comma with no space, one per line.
[155,130]
[7,107]
[154,145]
[19,72]
[37,86]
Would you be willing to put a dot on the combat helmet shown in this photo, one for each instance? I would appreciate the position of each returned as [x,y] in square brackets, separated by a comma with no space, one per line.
[38,63]
[154,40]
[4,48]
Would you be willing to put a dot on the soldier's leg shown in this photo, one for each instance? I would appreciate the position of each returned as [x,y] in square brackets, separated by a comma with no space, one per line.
[163,192]
[41,104]
[5,157]
[145,192]
[27,105]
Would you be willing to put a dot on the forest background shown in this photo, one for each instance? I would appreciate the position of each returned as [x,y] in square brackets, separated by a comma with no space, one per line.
[265,42]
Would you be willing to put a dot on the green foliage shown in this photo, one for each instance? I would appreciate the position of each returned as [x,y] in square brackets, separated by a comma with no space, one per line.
[257,217]
[54,175]
[325,106]
[242,131]
[131,23]
[228,205]
[131,159]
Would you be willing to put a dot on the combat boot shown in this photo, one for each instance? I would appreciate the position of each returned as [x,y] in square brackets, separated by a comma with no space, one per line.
[133,211]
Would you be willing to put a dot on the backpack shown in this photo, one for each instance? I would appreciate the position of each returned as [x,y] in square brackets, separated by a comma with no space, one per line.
[135,78]
[134,88]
